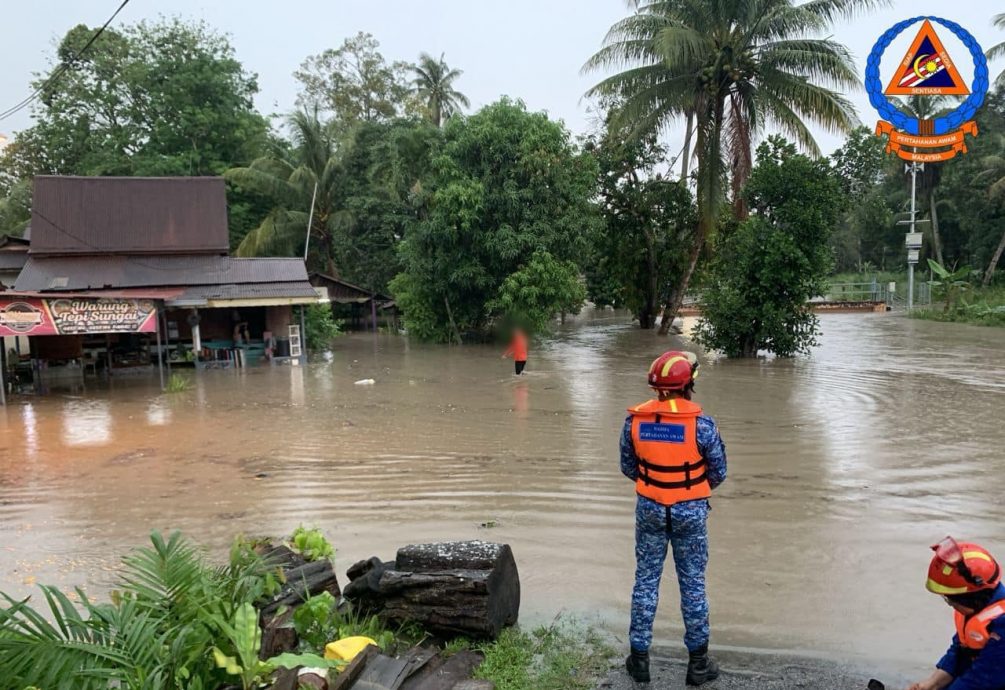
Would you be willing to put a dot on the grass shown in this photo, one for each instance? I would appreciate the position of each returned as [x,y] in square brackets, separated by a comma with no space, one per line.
[979,306]
[178,384]
[563,656]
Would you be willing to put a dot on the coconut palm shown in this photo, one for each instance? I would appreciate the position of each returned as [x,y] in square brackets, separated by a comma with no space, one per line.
[290,180]
[998,51]
[735,66]
[434,85]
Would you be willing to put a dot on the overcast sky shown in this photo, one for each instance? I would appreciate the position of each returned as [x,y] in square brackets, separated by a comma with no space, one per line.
[530,49]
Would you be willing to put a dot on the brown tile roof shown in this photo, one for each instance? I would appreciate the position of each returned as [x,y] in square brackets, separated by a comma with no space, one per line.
[101,272]
[129,215]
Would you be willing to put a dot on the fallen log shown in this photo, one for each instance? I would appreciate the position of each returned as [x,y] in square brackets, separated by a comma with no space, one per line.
[457,588]
[302,582]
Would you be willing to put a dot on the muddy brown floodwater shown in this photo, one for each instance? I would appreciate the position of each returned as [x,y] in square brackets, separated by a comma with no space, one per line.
[844,467]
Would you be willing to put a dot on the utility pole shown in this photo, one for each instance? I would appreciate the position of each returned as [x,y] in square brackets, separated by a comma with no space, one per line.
[913,239]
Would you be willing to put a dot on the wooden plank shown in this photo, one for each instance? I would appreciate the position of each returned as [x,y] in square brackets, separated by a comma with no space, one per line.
[457,668]
[382,673]
[475,685]
[343,680]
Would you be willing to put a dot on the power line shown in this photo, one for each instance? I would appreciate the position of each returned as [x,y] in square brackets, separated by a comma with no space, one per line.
[66,64]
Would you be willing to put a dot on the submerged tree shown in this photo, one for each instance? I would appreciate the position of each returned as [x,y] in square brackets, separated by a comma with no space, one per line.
[648,228]
[775,261]
[434,86]
[734,66]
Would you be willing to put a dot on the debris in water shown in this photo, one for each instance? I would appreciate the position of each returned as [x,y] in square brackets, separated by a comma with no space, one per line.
[365,382]
[262,475]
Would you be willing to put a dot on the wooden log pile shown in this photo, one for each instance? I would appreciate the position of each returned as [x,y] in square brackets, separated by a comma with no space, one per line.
[469,588]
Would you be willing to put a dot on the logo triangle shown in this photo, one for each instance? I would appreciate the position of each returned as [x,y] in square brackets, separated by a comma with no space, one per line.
[927,69]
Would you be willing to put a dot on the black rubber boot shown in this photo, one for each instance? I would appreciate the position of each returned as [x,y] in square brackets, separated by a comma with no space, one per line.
[637,664]
[700,668]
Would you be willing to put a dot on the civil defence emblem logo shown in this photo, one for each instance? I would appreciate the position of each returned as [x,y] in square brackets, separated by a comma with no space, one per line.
[927,70]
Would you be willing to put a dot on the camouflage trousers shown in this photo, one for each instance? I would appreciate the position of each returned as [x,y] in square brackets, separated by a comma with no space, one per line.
[683,528]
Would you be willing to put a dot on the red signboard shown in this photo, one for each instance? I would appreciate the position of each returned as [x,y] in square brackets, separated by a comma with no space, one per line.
[75,316]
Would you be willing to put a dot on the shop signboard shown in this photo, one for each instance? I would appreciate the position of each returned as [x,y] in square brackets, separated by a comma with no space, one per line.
[75,316]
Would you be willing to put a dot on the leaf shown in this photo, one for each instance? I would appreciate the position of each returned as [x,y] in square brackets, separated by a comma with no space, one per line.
[227,663]
[289,660]
[938,269]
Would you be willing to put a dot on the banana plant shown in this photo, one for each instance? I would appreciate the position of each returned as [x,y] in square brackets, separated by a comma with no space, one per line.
[952,283]
[246,637]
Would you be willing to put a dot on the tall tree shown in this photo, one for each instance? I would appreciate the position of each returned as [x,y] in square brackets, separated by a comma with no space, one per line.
[353,83]
[433,84]
[998,50]
[509,193]
[735,65]
[648,226]
[994,173]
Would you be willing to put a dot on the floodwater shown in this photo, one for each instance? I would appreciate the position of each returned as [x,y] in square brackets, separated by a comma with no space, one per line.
[844,467]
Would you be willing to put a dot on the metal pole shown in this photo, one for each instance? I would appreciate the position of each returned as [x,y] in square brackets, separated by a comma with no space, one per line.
[310,221]
[910,264]
[160,353]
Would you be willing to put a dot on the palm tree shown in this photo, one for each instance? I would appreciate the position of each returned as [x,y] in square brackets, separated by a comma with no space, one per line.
[734,66]
[994,170]
[998,51]
[434,84]
[930,108]
[311,176]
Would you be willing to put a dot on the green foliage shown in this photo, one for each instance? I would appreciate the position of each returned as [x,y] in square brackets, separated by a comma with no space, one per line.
[170,609]
[774,262]
[319,621]
[640,252]
[730,68]
[537,291]
[951,284]
[354,83]
[560,657]
[311,544]
[178,383]
[434,87]
[322,328]
[506,184]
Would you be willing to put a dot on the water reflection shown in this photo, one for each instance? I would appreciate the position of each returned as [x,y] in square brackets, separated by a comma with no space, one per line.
[86,422]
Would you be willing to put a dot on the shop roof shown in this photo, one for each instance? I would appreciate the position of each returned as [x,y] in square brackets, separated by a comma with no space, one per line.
[14,245]
[129,215]
[102,272]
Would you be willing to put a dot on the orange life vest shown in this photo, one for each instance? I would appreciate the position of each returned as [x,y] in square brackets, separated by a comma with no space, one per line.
[671,468]
[973,631]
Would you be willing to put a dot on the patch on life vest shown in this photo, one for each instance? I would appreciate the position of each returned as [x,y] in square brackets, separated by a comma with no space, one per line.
[661,433]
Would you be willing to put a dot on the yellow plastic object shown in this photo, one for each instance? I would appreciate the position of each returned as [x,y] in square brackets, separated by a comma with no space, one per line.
[347,648]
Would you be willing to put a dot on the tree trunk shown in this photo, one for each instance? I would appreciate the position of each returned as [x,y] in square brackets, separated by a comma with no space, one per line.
[709,145]
[453,324]
[936,238]
[647,319]
[686,156]
[458,588]
[990,273]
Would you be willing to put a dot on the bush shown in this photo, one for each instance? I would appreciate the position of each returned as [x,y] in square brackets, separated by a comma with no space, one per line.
[322,328]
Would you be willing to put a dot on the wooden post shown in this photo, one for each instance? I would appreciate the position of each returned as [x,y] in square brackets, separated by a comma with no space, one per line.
[3,372]
[160,352]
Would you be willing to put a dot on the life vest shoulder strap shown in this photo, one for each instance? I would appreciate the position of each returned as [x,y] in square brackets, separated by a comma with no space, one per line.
[666,408]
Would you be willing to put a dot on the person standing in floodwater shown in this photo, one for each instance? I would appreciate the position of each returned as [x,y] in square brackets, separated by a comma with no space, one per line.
[675,456]
[517,350]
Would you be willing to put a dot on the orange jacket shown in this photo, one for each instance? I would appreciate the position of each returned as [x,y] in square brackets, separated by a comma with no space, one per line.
[671,468]
[973,631]
[517,348]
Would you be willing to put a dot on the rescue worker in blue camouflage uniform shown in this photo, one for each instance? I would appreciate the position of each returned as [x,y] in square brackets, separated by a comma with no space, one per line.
[675,456]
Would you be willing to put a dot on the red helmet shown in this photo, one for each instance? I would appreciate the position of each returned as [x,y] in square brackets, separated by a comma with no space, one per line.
[672,371]
[961,568]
